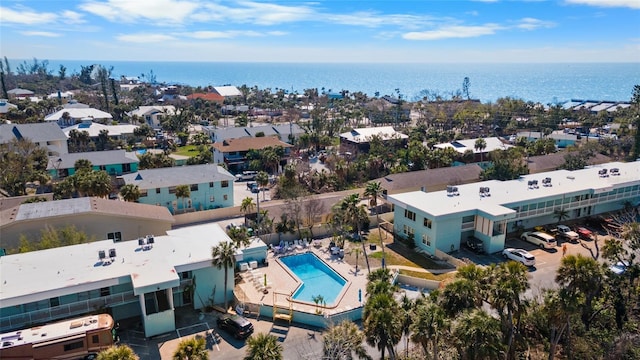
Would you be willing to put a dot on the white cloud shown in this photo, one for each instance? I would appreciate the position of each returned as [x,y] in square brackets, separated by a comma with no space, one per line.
[456,31]
[40,33]
[71,17]
[634,4]
[255,13]
[145,38]
[371,19]
[171,11]
[25,16]
[532,24]
[222,34]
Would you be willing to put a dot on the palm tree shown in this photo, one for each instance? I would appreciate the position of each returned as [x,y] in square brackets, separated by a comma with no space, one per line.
[374,190]
[194,348]
[342,341]
[263,347]
[382,325]
[582,276]
[406,307]
[357,252]
[224,256]
[477,336]
[560,214]
[117,352]
[247,206]
[100,184]
[130,192]
[354,214]
[480,145]
[183,192]
[262,179]
[429,325]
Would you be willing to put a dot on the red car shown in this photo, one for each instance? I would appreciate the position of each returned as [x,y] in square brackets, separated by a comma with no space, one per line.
[584,233]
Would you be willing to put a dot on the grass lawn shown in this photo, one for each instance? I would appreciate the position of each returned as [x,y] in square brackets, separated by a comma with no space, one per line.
[189,150]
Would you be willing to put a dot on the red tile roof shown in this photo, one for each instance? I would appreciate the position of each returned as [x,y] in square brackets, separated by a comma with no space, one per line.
[248,143]
[207,96]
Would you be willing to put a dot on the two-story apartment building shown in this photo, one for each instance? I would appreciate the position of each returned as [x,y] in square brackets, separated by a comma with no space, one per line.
[358,140]
[211,186]
[146,279]
[46,135]
[154,115]
[114,162]
[489,210]
[233,152]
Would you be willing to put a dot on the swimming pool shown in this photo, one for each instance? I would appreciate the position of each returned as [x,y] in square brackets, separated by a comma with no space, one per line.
[316,276]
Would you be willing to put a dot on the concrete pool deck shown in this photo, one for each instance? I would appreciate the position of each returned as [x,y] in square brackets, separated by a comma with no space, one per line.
[282,281]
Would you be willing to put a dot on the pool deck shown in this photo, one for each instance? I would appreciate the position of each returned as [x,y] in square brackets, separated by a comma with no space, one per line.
[282,281]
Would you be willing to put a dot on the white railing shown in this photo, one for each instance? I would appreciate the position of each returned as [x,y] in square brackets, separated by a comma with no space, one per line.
[27,319]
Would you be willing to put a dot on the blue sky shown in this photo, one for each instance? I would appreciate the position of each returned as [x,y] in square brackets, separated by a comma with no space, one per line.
[322,31]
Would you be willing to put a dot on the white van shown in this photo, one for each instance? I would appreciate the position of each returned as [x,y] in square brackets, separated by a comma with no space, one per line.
[246,176]
[543,240]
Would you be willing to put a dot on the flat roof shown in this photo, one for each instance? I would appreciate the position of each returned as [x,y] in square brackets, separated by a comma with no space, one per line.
[77,268]
[491,144]
[503,193]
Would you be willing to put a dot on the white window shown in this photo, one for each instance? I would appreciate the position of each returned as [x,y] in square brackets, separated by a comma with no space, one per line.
[426,240]
[407,230]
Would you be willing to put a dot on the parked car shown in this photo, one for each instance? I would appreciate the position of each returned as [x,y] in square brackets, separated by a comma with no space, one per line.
[519,255]
[584,233]
[236,325]
[474,244]
[246,175]
[539,238]
[618,268]
[565,232]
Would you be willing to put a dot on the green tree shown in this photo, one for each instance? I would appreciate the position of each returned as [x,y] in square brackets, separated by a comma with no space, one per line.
[130,192]
[263,347]
[247,206]
[224,257]
[183,192]
[374,190]
[194,348]
[382,325]
[343,341]
[117,352]
[262,179]
[429,327]
[354,214]
[22,161]
[477,336]
[560,215]
[582,276]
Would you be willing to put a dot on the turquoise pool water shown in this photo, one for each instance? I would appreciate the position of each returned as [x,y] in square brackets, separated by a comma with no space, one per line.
[316,276]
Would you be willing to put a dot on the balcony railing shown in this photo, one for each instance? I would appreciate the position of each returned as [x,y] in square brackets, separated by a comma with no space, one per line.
[41,316]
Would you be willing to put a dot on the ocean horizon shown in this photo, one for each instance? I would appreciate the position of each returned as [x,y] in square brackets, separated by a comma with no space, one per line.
[546,83]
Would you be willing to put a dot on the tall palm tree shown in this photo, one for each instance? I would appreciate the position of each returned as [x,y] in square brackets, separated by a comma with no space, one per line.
[560,214]
[262,179]
[477,336]
[582,275]
[263,347]
[247,206]
[130,192]
[354,214]
[183,192]
[100,184]
[382,325]
[374,190]
[224,256]
[194,348]
[117,352]
[430,324]
[342,341]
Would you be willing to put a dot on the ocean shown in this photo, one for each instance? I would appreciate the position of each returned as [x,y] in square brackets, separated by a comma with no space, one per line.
[539,83]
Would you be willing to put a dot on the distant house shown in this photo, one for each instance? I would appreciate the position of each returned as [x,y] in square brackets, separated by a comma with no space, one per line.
[153,115]
[114,162]
[46,135]
[210,96]
[555,161]
[211,187]
[62,95]
[461,146]
[19,93]
[5,106]
[227,91]
[233,152]
[98,218]
[74,112]
[358,140]
[118,132]
[285,132]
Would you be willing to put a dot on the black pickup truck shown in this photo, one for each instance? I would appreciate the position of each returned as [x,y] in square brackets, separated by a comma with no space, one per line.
[474,244]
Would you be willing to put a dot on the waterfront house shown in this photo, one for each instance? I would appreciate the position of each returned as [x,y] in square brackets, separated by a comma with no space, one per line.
[153,115]
[98,218]
[45,135]
[211,187]
[440,221]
